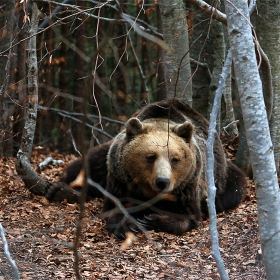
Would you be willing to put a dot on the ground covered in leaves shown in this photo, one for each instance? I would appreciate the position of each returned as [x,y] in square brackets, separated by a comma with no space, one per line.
[40,235]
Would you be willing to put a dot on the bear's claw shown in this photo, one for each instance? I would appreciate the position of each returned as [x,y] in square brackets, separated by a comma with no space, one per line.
[146,222]
[133,229]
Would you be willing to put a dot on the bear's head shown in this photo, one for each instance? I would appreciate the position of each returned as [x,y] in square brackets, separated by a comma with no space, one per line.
[158,154]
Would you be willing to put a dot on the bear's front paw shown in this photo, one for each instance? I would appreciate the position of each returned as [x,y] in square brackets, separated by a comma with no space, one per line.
[60,191]
[118,226]
[165,223]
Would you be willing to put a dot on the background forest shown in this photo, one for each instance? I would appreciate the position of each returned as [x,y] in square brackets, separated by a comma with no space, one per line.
[80,69]
[112,55]
[87,50]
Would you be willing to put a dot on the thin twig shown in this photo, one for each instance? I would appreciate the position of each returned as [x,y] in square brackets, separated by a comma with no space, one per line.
[210,168]
[7,253]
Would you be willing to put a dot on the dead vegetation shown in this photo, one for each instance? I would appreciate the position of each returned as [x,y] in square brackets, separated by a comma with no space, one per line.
[40,236]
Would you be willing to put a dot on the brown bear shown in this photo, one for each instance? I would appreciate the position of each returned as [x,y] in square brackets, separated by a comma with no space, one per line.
[156,167]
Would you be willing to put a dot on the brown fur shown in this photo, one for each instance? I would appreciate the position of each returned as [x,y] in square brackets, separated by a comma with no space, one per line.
[97,169]
[156,167]
[166,130]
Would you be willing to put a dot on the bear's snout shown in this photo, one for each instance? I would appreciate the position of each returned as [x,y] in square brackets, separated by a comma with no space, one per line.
[162,183]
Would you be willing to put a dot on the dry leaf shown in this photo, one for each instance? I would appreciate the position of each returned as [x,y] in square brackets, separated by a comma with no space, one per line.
[130,238]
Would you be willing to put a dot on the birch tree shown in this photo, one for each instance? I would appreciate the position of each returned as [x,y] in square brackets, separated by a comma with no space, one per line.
[257,132]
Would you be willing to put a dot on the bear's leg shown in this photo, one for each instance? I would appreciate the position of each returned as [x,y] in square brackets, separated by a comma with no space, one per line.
[117,224]
[72,171]
[235,190]
[152,218]
[174,224]
[97,169]
[60,191]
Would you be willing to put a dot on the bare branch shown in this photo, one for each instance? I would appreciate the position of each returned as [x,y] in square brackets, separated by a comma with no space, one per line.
[210,167]
[148,36]
[209,10]
[7,253]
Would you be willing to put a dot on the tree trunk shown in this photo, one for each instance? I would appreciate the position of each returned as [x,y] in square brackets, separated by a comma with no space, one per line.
[257,132]
[63,124]
[219,47]
[24,169]
[162,92]
[228,123]
[175,34]
[242,157]
[79,76]
[5,44]
[201,58]
[269,36]
[21,76]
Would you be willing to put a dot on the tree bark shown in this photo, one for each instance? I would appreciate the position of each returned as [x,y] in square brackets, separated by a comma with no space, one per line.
[21,75]
[162,93]
[228,121]
[24,169]
[219,46]
[269,36]
[63,124]
[5,57]
[257,132]
[79,75]
[202,56]
[175,34]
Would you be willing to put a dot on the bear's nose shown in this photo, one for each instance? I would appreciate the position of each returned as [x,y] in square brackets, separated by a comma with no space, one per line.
[162,183]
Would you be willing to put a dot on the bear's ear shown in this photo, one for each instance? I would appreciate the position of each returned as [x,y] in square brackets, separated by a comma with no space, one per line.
[184,130]
[133,127]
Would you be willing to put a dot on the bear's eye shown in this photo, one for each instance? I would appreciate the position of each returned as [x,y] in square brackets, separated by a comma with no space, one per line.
[174,161]
[151,158]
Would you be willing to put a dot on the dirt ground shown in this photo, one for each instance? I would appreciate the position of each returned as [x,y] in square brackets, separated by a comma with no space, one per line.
[40,235]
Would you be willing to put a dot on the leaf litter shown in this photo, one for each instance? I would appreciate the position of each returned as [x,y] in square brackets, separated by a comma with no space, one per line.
[40,235]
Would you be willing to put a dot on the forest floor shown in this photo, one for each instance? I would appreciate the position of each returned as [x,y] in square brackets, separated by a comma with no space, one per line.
[40,235]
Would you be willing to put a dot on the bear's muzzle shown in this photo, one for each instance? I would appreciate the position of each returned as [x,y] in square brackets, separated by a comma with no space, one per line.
[162,183]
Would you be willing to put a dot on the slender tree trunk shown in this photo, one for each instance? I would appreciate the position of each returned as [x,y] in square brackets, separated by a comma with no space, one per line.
[210,167]
[228,124]
[32,181]
[219,47]
[21,75]
[62,140]
[162,93]
[175,33]
[79,76]
[257,132]
[201,58]
[5,44]
[46,96]
[269,36]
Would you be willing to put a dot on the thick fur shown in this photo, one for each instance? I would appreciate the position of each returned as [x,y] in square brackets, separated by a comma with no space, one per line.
[96,167]
[180,208]
[156,167]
